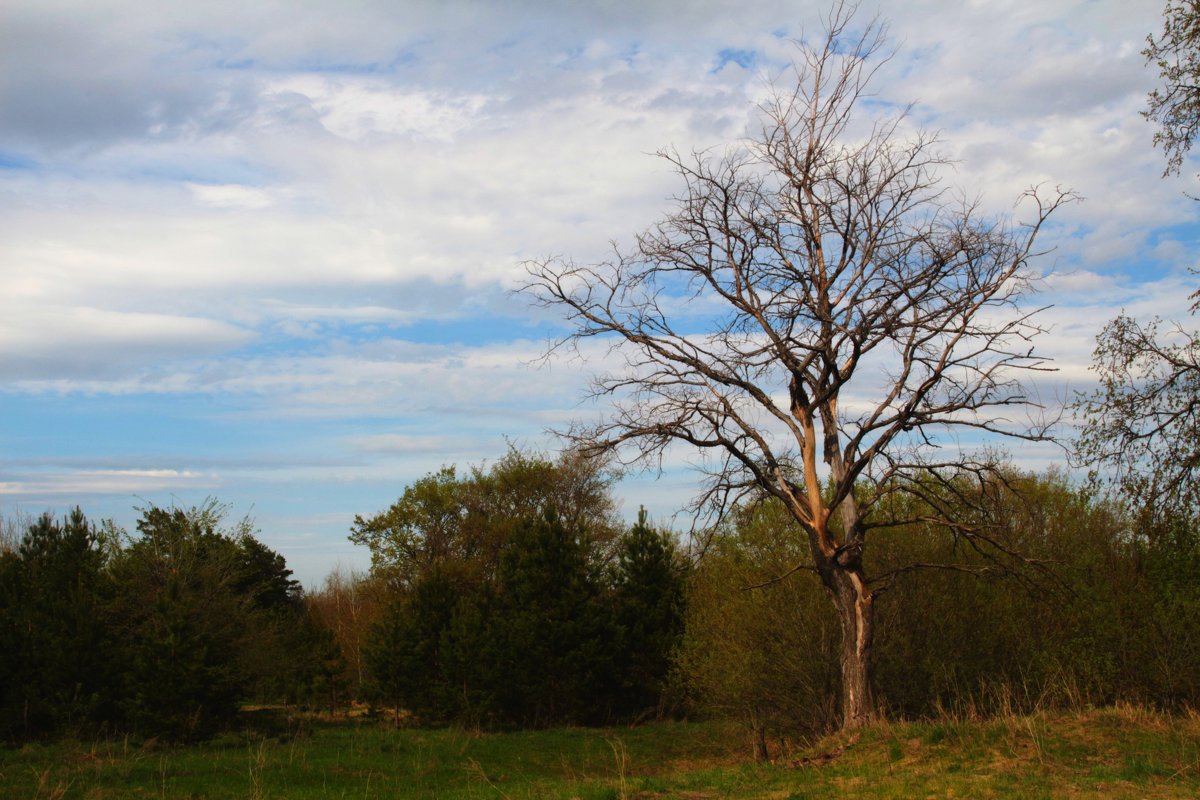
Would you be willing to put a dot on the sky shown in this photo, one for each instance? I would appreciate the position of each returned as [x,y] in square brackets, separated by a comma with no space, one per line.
[265,251]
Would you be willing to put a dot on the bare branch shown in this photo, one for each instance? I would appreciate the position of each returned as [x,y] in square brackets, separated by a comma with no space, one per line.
[813,315]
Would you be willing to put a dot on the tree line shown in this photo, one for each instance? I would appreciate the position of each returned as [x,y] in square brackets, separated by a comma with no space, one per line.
[507,596]
[164,634]
[513,596]
[1104,608]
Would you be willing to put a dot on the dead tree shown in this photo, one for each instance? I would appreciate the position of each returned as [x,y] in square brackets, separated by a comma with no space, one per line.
[817,317]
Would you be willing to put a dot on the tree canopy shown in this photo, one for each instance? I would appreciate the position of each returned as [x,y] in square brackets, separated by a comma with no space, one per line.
[1175,105]
[502,610]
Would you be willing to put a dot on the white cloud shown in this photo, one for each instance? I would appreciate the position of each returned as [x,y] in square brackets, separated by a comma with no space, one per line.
[46,342]
[231,196]
[366,109]
[1079,283]
[81,483]
[487,386]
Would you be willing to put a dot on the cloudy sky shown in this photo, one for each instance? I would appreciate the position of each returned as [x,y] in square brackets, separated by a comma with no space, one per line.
[263,250]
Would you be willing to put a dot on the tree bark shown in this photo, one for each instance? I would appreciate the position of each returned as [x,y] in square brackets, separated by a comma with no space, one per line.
[856,611]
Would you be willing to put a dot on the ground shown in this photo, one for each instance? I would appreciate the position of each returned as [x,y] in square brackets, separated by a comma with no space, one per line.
[1119,752]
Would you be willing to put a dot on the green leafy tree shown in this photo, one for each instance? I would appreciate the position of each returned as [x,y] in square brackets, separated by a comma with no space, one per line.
[757,649]
[473,660]
[205,617]
[441,551]
[1111,614]
[162,635]
[424,526]
[469,518]
[325,682]
[534,646]
[404,652]
[180,622]
[284,656]
[263,579]
[515,598]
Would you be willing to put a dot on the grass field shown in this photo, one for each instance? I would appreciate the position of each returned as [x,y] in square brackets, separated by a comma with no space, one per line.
[1106,753]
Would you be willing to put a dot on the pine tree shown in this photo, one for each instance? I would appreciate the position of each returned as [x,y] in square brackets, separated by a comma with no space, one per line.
[649,595]
[554,635]
[54,674]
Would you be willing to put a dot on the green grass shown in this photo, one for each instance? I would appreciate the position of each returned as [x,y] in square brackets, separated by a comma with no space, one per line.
[1105,753]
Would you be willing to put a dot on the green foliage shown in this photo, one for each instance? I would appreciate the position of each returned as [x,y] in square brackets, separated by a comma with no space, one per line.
[554,638]
[163,635]
[1175,105]
[444,517]
[983,623]
[760,647]
[534,647]
[425,525]
[180,621]
[508,612]
[471,661]
[404,653]
[1141,433]
[648,593]
[1106,610]
[55,654]
[262,578]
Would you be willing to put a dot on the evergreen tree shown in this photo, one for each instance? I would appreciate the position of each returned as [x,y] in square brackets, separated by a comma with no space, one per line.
[555,638]
[55,662]
[472,660]
[162,637]
[499,598]
[207,617]
[404,653]
[649,600]
[180,623]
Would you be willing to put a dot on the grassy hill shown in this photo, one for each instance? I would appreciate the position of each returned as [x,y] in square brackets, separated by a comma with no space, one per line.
[1106,753]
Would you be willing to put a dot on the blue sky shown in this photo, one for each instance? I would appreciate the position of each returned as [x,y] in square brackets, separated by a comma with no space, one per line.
[264,251]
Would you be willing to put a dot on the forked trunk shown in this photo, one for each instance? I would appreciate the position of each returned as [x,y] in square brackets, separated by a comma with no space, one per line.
[856,611]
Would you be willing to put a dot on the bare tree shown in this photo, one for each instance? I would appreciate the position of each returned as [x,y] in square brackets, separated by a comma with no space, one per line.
[814,314]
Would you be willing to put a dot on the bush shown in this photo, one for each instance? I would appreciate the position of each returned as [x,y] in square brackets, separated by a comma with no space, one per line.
[1103,607]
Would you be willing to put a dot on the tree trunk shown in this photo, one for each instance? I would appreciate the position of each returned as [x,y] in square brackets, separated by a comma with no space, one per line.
[856,610]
